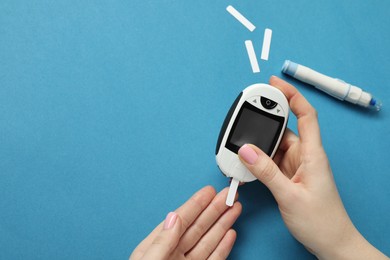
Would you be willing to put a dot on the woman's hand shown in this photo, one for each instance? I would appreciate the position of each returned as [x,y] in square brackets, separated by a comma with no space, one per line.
[199,229]
[301,180]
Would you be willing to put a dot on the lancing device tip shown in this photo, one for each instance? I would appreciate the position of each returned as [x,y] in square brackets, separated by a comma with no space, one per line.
[332,86]
[232,192]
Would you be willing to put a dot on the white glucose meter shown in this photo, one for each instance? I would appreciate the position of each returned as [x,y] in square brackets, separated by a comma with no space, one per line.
[258,116]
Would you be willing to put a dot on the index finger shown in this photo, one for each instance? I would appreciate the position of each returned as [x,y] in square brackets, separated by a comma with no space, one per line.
[308,128]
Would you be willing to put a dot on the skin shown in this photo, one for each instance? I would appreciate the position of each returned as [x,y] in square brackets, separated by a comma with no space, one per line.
[300,179]
[202,230]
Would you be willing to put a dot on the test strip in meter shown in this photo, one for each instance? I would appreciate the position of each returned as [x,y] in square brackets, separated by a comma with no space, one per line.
[232,192]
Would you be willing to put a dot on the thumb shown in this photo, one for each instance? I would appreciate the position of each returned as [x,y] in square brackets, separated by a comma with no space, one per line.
[265,169]
[167,240]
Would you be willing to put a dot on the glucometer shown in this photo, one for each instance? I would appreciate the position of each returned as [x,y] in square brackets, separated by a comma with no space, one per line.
[258,116]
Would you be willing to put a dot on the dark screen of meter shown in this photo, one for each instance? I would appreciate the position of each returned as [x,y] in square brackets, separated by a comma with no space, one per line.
[255,126]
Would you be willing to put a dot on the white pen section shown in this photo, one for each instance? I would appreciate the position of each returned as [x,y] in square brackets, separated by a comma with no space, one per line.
[358,96]
[241,18]
[252,56]
[266,44]
[331,86]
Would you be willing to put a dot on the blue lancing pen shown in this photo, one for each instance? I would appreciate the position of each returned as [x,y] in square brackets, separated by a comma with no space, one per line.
[332,86]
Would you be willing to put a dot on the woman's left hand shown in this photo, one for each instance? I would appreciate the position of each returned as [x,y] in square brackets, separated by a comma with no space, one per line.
[199,229]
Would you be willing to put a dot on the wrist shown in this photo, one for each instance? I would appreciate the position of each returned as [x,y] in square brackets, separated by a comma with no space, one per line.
[352,246]
[342,248]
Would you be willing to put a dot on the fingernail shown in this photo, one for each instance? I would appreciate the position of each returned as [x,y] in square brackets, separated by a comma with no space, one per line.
[248,154]
[170,220]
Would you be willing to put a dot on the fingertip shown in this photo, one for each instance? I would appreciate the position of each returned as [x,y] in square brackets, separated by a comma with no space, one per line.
[207,193]
[210,189]
[238,206]
[287,89]
[272,79]
[257,149]
[225,245]
[168,238]
[232,234]
[248,154]
[225,190]
[170,220]
[230,238]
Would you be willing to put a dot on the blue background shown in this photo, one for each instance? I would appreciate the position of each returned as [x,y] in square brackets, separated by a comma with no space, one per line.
[110,111]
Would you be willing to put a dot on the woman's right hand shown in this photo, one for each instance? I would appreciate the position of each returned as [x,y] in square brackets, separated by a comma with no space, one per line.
[301,180]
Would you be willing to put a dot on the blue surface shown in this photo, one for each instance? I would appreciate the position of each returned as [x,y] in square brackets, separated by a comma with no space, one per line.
[110,111]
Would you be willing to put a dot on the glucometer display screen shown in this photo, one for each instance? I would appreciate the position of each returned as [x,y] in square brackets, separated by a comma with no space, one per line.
[254,126]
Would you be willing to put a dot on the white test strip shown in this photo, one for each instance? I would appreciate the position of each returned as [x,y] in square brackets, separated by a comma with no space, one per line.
[266,44]
[241,18]
[232,192]
[252,56]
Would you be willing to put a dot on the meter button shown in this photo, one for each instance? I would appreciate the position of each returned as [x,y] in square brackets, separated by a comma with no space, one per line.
[268,103]
[255,100]
[279,111]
